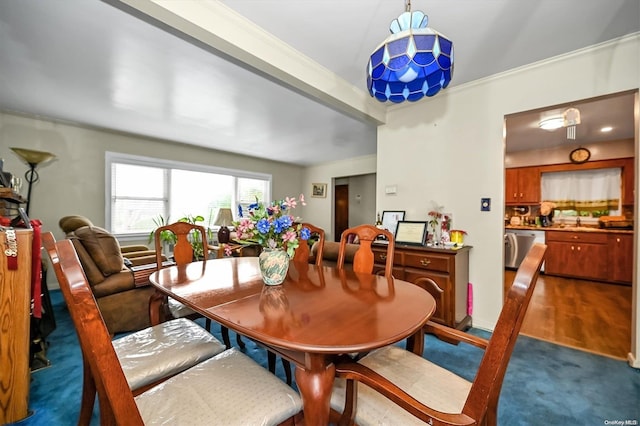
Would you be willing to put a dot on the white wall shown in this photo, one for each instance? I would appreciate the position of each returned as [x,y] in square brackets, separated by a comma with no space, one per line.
[450,149]
[362,199]
[75,182]
[319,211]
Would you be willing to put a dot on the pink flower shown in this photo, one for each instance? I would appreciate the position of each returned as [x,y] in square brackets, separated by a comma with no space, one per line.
[227,250]
[302,200]
[245,225]
[290,203]
[289,236]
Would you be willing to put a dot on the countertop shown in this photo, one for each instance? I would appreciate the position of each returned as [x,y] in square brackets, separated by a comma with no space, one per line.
[571,229]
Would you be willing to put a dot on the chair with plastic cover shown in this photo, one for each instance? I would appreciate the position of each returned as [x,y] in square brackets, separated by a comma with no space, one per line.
[147,356]
[231,387]
[190,245]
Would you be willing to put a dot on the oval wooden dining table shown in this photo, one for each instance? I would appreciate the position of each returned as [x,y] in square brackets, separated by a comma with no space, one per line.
[317,314]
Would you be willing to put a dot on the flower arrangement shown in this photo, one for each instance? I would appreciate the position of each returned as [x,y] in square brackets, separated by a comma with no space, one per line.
[434,218]
[272,225]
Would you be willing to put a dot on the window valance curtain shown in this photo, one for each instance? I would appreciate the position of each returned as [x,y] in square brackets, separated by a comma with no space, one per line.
[588,190]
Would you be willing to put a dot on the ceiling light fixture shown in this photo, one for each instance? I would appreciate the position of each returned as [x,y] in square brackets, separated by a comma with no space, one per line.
[552,123]
[571,119]
[413,62]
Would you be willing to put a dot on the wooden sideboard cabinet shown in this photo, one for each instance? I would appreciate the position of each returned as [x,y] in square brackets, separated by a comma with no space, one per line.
[15,302]
[442,272]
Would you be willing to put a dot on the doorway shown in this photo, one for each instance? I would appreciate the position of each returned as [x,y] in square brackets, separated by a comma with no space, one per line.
[528,145]
[341,203]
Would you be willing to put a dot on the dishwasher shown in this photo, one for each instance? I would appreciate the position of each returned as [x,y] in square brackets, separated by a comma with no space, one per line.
[517,243]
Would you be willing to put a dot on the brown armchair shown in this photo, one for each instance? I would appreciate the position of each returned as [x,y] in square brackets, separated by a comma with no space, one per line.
[124,304]
[137,254]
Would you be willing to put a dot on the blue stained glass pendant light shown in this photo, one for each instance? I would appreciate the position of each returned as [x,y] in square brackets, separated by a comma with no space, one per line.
[413,62]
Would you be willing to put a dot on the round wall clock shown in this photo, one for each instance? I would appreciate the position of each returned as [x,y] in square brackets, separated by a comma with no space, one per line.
[580,155]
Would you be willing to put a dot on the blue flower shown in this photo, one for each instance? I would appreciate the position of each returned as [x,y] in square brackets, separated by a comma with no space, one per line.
[263,226]
[305,233]
[270,224]
[282,223]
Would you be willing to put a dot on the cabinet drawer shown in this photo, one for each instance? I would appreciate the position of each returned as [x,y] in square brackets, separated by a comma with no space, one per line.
[573,237]
[380,257]
[430,261]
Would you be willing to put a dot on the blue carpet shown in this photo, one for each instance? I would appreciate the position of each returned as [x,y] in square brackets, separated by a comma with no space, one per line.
[545,383]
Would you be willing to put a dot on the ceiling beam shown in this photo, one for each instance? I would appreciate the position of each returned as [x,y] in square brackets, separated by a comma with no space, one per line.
[225,31]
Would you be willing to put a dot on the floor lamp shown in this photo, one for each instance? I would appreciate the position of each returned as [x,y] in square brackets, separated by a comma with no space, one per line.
[33,159]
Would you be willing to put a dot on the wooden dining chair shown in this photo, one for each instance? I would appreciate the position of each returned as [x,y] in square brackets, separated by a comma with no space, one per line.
[147,356]
[404,388]
[364,259]
[191,244]
[303,252]
[231,388]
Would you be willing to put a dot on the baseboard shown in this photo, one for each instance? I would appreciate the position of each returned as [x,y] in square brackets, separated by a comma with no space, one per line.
[633,362]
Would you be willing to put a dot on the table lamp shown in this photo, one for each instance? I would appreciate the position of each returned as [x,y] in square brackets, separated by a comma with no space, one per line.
[224,218]
[33,159]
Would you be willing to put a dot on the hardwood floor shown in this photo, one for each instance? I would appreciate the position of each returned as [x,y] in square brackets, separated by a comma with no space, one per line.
[587,315]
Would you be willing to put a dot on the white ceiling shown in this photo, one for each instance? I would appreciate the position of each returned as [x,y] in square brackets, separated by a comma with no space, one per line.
[88,62]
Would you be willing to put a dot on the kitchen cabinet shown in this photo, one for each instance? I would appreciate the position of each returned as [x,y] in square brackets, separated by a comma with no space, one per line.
[627,181]
[522,185]
[577,254]
[620,261]
[442,272]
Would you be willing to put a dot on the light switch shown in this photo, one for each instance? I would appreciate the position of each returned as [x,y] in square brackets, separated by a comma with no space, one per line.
[391,189]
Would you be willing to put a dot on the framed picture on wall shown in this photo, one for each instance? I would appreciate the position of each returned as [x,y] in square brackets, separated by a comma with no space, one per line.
[411,232]
[390,219]
[319,190]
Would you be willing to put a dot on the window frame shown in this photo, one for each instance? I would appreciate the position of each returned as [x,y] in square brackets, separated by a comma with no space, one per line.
[167,165]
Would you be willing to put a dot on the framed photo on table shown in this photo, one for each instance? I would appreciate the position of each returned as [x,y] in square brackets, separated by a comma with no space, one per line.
[319,190]
[390,219]
[411,232]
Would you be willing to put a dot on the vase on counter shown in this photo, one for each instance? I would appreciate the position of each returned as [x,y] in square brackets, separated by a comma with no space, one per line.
[436,234]
[274,264]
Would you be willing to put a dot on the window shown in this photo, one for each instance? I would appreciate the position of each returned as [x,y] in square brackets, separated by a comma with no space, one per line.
[589,193]
[140,189]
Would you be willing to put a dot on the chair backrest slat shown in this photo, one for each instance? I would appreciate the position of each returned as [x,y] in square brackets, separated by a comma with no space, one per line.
[363,259]
[183,252]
